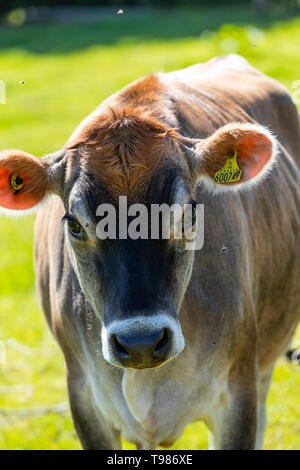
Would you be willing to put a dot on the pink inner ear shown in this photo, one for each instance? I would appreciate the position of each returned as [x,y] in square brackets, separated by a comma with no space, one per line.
[15,200]
[254,151]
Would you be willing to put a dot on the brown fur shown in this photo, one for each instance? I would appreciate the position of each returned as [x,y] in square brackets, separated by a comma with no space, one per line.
[123,148]
[147,90]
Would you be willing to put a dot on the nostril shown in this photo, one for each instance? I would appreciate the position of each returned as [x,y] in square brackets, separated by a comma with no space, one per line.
[162,343]
[121,350]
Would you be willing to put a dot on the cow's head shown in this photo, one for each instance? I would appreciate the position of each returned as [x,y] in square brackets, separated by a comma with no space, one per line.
[136,286]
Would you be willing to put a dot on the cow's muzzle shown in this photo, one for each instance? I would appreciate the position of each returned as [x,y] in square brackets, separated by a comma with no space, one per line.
[142,342]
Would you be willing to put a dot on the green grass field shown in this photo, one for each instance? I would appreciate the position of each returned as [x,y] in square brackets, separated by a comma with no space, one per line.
[68,69]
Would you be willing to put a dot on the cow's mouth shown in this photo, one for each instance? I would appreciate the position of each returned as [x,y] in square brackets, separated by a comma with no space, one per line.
[150,367]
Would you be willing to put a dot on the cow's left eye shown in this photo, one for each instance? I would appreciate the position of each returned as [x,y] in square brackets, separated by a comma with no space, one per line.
[194,212]
[190,216]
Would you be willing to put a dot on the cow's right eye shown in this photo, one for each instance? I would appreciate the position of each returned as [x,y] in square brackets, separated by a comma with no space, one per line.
[74,227]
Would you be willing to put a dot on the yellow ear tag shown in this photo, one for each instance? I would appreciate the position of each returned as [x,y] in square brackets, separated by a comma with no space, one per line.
[230,173]
[16,181]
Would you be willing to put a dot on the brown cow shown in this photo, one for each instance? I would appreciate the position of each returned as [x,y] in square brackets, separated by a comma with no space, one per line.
[206,326]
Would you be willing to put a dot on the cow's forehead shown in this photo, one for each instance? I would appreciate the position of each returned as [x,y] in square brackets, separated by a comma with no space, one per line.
[123,149]
[88,193]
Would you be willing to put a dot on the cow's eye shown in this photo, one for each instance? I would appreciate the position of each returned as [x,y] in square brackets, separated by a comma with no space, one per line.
[74,227]
[194,212]
[190,216]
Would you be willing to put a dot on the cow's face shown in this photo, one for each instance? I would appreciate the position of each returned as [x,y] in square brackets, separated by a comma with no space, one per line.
[135,285]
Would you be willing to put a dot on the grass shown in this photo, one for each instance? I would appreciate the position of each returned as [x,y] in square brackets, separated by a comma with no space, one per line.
[68,70]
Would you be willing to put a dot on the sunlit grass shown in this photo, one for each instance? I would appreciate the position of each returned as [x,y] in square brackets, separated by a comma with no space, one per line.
[61,87]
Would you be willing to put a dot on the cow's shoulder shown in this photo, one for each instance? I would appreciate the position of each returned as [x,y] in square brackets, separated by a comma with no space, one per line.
[140,93]
[213,69]
[227,74]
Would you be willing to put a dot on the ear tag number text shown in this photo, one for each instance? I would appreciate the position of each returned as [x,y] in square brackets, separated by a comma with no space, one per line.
[230,173]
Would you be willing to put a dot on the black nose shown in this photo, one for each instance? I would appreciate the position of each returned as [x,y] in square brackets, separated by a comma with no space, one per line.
[142,350]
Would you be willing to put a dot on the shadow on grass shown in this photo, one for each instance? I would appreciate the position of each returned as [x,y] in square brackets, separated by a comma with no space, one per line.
[160,24]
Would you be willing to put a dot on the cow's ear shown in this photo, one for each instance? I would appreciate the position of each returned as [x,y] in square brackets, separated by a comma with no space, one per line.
[235,155]
[24,180]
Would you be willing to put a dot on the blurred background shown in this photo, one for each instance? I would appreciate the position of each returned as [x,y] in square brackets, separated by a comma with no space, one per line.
[58,61]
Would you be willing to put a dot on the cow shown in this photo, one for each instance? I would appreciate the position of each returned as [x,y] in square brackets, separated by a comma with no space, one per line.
[156,336]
